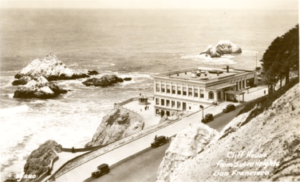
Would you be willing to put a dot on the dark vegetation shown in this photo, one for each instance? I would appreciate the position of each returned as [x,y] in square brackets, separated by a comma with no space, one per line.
[281,58]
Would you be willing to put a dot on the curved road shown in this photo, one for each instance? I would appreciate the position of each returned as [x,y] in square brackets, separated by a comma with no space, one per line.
[143,166]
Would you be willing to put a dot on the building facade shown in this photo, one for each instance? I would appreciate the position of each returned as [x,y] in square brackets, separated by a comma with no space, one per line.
[186,90]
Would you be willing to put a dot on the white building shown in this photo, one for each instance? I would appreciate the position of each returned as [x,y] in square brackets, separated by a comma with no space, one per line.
[188,89]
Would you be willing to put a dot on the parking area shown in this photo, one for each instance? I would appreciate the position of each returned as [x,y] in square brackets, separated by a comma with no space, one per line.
[147,111]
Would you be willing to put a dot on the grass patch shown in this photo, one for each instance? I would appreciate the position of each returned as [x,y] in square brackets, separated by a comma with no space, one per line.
[266,101]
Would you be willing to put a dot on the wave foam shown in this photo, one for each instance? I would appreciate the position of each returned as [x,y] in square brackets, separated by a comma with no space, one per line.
[227,56]
[196,57]
[224,60]
[13,110]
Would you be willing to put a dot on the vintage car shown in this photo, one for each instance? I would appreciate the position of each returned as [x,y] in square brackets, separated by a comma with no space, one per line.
[229,107]
[101,170]
[208,117]
[158,141]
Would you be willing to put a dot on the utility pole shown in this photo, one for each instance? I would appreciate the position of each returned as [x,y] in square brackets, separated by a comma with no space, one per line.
[255,60]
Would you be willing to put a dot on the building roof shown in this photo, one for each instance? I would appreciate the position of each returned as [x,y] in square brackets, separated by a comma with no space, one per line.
[206,75]
[221,86]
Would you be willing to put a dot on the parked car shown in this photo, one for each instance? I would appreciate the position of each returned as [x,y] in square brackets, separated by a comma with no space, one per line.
[158,141]
[208,117]
[101,170]
[229,107]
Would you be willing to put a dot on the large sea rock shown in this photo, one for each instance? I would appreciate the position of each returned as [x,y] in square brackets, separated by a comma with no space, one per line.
[117,124]
[105,80]
[221,48]
[51,68]
[38,87]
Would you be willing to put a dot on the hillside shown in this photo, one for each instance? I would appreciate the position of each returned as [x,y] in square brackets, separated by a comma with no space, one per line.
[262,143]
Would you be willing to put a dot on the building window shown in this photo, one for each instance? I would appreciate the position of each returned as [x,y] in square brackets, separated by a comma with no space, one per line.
[173,90]
[168,103]
[195,92]
[243,83]
[162,87]
[157,87]
[190,107]
[190,92]
[178,105]
[184,91]
[211,95]
[201,93]
[157,101]
[162,102]
[168,89]
[173,103]
[179,90]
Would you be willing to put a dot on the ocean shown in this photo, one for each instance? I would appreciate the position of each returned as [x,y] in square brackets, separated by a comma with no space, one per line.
[134,43]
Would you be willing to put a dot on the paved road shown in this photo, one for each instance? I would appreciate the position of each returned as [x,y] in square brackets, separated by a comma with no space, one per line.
[221,121]
[143,166]
[140,167]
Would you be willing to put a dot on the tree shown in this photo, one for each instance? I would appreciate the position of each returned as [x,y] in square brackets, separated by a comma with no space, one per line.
[281,57]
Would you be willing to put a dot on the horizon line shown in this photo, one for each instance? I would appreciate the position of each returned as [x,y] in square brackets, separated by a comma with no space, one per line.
[152,8]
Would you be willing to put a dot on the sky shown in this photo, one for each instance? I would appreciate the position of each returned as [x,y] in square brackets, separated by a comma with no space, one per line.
[153,4]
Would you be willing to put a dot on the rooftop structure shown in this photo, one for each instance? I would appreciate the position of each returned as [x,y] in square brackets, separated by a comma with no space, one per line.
[189,88]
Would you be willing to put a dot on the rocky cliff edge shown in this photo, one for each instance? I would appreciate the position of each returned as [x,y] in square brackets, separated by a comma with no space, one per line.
[187,143]
[117,124]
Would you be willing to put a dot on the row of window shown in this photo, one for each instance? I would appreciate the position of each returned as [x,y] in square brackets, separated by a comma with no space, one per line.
[168,103]
[168,90]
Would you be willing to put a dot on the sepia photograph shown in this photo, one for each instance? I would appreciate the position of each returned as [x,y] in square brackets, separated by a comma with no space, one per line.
[149,90]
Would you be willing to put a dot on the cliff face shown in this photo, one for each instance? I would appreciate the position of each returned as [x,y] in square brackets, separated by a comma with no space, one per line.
[265,148]
[117,124]
[222,47]
[187,143]
[38,161]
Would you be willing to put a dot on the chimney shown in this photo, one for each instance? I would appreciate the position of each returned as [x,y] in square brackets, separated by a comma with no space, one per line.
[227,67]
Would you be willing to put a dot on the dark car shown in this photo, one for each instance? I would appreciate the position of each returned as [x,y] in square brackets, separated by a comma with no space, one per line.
[101,170]
[208,117]
[158,141]
[229,107]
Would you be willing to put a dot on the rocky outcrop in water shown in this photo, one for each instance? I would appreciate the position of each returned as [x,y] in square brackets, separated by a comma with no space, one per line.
[270,138]
[187,143]
[222,47]
[52,69]
[38,87]
[105,80]
[117,124]
[39,160]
